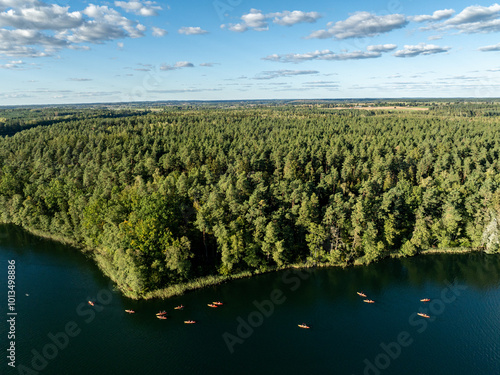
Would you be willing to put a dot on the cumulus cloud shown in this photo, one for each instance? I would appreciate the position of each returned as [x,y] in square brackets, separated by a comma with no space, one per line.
[159,32]
[144,8]
[192,31]
[420,49]
[287,18]
[41,17]
[475,13]
[371,53]
[495,47]
[177,65]
[438,15]
[19,43]
[32,28]
[359,25]
[271,74]
[258,21]
[107,24]
[382,48]
[13,65]
[476,19]
[322,55]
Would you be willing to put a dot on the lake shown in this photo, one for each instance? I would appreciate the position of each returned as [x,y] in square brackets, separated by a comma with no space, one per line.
[256,330]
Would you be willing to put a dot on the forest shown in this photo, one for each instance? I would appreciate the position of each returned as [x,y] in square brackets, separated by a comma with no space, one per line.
[166,194]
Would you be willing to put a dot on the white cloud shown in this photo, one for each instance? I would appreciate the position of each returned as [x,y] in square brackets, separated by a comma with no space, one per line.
[159,32]
[371,53]
[420,49]
[192,31]
[435,37]
[5,4]
[41,17]
[476,19]
[495,47]
[475,13]
[287,18]
[13,65]
[382,48]
[177,65]
[361,24]
[144,8]
[283,73]
[208,65]
[258,21]
[107,24]
[80,79]
[19,43]
[31,28]
[436,16]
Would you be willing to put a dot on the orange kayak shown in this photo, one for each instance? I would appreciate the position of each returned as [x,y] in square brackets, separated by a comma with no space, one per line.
[304,326]
[179,307]
[361,294]
[425,300]
[218,303]
[368,301]
[189,321]
[161,313]
[161,317]
[211,305]
[130,311]
[423,315]
[91,303]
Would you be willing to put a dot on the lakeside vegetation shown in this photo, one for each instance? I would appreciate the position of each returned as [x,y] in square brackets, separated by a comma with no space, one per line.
[184,196]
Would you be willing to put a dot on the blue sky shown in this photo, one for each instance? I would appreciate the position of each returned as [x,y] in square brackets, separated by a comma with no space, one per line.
[135,50]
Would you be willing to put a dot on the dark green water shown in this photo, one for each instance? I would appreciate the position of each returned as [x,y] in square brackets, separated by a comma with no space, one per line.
[347,336]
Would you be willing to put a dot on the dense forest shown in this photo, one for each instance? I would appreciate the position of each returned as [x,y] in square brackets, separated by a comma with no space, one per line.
[171,193]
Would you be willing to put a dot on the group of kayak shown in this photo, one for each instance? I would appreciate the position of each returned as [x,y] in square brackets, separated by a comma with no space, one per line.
[361,294]
[163,314]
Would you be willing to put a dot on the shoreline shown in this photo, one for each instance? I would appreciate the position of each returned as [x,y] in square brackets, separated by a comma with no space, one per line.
[211,280]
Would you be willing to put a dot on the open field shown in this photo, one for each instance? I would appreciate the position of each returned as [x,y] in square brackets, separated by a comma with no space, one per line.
[398,108]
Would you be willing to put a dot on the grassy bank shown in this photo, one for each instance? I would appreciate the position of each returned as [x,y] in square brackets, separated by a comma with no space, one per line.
[211,280]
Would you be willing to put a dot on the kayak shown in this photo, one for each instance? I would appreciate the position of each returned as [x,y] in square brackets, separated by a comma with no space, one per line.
[130,311]
[218,303]
[161,313]
[91,303]
[189,321]
[179,307]
[304,326]
[161,317]
[368,301]
[211,305]
[361,294]
[423,315]
[425,300]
